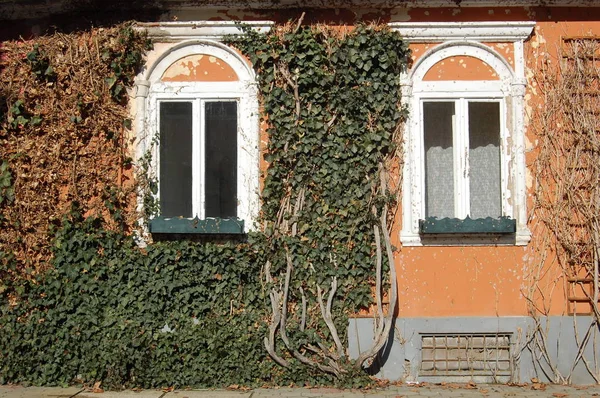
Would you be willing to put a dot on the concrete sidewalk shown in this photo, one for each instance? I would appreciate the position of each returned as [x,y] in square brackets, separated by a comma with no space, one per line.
[403,391]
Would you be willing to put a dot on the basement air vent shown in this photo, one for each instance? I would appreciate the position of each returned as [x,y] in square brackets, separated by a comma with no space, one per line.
[486,355]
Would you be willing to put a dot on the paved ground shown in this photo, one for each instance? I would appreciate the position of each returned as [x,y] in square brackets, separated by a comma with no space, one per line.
[403,391]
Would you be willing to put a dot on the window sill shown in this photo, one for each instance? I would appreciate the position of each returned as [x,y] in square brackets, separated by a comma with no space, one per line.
[209,226]
[446,226]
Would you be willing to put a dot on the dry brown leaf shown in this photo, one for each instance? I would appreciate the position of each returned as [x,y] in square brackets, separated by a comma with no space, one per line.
[64,161]
[96,388]
[517,384]
[238,387]
[538,386]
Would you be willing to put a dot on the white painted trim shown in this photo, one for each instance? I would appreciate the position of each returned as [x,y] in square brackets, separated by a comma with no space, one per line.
[510,85]
[436,32]
[213,30]
[209,47]
[150,89]
[461,48]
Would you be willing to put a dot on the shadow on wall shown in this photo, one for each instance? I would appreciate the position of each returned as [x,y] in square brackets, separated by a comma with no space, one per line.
[35,18]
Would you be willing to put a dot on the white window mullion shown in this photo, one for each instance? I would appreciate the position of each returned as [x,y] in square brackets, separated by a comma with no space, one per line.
[456,145]
[419,164]
[505,161]
[155,162]
[466,187]
[197,159]
[459,126]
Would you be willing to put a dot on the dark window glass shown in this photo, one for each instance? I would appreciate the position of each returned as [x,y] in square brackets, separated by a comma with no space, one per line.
[220,184]
[176,159]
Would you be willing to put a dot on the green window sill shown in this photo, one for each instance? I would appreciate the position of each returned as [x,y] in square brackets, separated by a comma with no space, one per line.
[433,225]
[209,226]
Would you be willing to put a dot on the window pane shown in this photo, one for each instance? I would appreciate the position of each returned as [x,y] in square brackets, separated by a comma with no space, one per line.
[176,159]
[220,187]
[438,122]
[484,159]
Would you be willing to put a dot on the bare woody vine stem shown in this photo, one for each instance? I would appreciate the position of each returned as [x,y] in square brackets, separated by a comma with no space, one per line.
[334,116]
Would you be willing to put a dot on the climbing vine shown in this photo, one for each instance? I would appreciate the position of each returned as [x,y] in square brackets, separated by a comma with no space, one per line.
[567,204]
[186,313]
[332,105]
[65,135]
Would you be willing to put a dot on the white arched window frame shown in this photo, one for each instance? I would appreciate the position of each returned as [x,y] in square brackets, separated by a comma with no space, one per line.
[151,91]
[464,39]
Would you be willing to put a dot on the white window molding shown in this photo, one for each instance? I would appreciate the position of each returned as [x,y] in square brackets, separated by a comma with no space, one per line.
[203,30]
[149,90]
[509,90]
[489,32]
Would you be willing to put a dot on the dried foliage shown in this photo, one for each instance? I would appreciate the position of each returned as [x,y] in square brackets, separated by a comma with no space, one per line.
[567,194]
[63,135]
[108,311]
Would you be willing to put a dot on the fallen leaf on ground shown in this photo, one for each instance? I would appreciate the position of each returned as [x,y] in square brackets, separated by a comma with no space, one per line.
[560,395]
[538,386]
[517,384]
[471,385]
[96,389]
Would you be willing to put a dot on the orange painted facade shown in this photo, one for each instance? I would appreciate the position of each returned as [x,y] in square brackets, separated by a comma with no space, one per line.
[458,280]
[461,280]
[470,287]
[492,281]
[199,68]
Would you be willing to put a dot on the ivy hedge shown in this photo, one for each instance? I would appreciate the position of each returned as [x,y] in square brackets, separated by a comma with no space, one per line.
[331,100]
[270,310]
[173,314]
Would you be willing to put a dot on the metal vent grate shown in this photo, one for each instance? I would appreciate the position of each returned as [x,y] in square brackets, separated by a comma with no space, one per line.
[466,354]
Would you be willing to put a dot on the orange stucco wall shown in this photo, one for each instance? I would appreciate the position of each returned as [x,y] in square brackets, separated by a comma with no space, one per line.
[461,280]
[199,68]
[493,281]
[461,68]
[468,280]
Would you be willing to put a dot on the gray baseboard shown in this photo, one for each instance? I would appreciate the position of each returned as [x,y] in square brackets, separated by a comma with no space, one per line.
[401,358]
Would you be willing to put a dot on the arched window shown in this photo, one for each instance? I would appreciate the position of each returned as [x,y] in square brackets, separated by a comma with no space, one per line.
[201,129]
[464,173]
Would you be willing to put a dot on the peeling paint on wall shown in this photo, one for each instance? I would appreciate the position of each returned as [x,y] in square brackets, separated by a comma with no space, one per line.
[199,68]
[461,68]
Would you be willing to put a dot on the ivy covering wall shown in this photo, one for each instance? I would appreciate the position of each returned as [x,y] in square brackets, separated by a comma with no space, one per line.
[80,301]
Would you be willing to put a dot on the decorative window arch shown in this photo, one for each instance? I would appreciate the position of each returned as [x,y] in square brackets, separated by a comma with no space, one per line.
[464,170]
[198,120]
